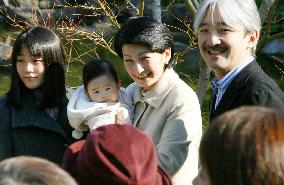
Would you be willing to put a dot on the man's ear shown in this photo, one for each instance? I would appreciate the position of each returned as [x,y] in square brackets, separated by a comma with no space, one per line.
[253,38]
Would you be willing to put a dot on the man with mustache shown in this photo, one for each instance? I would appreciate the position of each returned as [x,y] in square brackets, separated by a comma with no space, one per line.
[228,32]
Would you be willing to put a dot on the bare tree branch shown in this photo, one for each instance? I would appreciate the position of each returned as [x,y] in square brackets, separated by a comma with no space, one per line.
[264,9]
[132,6]
[266,37]
[270,17]
[262,42]
[108,12]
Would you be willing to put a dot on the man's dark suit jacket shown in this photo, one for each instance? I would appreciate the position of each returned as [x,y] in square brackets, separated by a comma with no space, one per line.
[252,86]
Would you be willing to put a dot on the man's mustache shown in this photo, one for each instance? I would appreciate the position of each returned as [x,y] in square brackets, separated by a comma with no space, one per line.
[216,47]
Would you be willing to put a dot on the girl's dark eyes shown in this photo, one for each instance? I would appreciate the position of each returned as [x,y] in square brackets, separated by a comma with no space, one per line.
[37,61]
[107,89]
[96,92]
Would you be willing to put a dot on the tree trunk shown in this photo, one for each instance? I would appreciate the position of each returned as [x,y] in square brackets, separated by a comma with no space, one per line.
[204,71]
[156,10]
[203,79]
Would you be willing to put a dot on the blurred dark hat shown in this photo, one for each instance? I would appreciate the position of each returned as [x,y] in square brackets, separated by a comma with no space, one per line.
[115,155]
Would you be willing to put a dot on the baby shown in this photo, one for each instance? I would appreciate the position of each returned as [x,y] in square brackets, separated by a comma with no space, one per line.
[100,101]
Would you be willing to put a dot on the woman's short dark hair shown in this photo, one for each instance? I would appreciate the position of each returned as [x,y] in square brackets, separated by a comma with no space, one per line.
[245,146]
[24,170]
[97,68]
[43,42]
[147,32]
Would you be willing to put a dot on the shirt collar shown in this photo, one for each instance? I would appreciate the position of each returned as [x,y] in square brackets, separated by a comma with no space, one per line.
[226,80]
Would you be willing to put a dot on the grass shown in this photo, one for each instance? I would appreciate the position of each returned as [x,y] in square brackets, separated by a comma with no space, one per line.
[4,79]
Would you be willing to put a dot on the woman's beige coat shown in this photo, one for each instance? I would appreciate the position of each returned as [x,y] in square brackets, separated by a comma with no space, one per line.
[170,114]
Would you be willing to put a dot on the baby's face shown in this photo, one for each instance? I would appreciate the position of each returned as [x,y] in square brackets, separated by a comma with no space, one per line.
[103,89]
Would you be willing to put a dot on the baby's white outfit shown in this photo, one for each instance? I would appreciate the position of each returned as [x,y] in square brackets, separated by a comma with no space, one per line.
[83,114]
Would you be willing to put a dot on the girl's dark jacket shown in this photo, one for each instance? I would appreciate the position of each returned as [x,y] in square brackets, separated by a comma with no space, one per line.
[31,131]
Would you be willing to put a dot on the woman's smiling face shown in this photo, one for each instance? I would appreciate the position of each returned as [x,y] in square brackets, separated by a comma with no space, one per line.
[143,65]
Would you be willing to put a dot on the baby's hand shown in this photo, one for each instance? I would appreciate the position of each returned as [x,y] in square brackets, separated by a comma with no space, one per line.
[122,116]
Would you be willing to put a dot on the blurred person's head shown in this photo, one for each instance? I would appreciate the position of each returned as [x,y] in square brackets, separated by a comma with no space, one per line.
[25,170]
[244,146]
[115,155]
